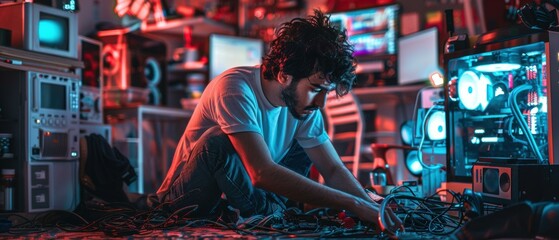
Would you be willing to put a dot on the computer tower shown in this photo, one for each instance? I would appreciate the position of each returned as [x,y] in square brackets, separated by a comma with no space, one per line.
[498,101]
[134,69]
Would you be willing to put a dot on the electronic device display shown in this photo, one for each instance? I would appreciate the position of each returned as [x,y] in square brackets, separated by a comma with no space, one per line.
[418,56]
[91,98]
[232,51]
[372,31]
[497,104]
[41,28]
[53,125]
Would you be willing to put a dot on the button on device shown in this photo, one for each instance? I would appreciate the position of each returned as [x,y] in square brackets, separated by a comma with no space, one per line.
[35,151]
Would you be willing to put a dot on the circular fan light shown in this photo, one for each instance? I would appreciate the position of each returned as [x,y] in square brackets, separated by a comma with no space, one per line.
[406,132]
[436,129]
[152,71]
[111,60]
[497,67]
[484,85]
[413,163]
[468,91]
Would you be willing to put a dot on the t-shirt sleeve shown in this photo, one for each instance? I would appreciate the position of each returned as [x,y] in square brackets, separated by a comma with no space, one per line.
[311,132]
[235,107]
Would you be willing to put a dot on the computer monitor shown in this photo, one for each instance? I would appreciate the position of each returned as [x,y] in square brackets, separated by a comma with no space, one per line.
[372,31]
[41,28]
[232,51]
[418,56]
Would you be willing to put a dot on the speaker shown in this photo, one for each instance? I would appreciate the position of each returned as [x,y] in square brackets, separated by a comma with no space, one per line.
[504,183]
[133,61]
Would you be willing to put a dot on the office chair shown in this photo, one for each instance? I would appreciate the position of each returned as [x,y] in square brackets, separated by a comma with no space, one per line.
[345,128]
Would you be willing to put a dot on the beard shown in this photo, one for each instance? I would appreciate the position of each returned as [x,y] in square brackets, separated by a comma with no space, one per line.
[291,100]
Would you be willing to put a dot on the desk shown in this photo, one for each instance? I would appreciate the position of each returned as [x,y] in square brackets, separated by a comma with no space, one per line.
[148,136]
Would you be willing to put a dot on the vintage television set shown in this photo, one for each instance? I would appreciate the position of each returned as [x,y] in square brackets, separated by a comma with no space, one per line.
[500,120]
[418,56]
[40,28]
[226,51]
[374,34]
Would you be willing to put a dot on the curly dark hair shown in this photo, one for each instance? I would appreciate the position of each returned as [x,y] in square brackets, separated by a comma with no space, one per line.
[306,46]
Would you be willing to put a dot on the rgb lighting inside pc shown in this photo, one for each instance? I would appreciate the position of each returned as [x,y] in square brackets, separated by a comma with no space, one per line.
[497,106]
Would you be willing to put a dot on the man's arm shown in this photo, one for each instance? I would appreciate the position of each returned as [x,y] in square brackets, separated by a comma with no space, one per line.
[336,175]
[268,175]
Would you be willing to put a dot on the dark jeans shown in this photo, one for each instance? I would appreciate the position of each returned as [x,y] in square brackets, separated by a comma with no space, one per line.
[214,167]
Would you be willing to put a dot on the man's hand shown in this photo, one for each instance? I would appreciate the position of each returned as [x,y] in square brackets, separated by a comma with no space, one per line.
[369,212]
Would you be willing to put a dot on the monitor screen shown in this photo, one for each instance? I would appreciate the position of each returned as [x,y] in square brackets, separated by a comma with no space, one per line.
[418,56]
[53,96]
[373,31]
[53,31]
[232,51]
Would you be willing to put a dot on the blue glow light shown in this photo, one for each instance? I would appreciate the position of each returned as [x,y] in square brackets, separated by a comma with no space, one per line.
[50,31]
[497,67]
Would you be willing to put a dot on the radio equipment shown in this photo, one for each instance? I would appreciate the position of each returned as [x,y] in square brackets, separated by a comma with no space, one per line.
[91,98]
[506,183]
[39,98]
[53,116]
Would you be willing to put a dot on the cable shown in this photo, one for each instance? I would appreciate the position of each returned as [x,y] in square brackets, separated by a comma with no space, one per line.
[415,109]
[519,117]
[420,158]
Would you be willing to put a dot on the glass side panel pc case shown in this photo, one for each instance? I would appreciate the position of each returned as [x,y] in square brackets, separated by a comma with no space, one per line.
[40,28]
[498,104]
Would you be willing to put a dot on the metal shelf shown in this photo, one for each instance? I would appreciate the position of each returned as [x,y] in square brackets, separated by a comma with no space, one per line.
[147,136]
[200,26]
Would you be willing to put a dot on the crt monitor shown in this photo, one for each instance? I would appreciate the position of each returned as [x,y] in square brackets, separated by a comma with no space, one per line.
[233,51]
[373,31]
[41,28]
[418,56]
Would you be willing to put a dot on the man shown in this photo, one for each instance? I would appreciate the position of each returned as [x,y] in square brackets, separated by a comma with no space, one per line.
[256,131]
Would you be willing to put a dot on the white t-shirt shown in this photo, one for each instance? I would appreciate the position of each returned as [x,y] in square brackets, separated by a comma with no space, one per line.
[235,101]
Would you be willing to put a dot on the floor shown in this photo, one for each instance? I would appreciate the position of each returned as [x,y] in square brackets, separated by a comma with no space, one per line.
[124,223]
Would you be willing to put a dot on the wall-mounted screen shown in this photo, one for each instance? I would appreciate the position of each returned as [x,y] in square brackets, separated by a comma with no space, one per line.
[372,31]
[233,51]
[418,56]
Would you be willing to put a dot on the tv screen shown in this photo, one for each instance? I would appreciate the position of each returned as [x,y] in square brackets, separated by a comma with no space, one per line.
[53,96]
[232,51]
[373,31]
[53,31]
[418,56]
